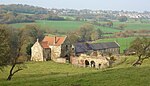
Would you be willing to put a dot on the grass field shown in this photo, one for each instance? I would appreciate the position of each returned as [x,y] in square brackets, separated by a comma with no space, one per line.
[123,42]
[65,26]
[62,25]
[54,25]
[55,74]
[134,25]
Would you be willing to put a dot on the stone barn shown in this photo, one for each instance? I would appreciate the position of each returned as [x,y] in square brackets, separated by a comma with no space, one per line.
[104,48]
[56,48]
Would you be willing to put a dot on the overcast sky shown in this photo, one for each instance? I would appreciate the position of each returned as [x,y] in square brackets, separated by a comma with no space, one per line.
[130,5]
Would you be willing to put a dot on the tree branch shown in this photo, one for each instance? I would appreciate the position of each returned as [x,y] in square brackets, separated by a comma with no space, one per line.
[17,71]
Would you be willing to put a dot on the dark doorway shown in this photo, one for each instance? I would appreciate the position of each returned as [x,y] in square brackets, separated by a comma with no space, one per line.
[67,57]
[93,64]
[86,63]
[99,65]
[47,54]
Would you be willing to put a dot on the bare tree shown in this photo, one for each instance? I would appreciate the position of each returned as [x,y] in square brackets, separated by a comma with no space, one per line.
[16,45]
[142,48]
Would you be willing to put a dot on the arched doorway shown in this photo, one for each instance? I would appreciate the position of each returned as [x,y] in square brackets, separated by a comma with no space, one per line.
[99,65]
[86,63]
[93,64]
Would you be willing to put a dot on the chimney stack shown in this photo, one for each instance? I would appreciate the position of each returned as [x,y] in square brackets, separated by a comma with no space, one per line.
[55,40]
[37,40]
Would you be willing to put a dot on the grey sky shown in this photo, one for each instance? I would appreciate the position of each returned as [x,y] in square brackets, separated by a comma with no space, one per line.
[131,5]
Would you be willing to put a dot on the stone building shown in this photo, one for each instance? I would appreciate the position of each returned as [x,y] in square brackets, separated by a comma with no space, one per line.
[56,48]
[104,48]
[95,60]
[37,52]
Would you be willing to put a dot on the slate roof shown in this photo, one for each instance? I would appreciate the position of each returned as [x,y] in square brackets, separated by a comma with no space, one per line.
[81,48]
[101,46]
[84,47]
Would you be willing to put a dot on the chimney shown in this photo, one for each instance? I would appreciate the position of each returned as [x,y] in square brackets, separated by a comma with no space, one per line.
[37,40]
[55,40]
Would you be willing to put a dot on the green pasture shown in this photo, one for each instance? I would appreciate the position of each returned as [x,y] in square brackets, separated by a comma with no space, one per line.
[107,29]
[134,25]
[54,25]
[65,26]
[54,74]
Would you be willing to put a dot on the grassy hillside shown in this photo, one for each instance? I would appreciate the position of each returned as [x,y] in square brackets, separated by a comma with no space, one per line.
[54,74]
[123,42]
[62,25]
[54,25]
[134,25]
[74,25]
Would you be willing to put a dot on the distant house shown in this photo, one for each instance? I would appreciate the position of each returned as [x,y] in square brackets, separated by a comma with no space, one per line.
[87,48]
[51,48]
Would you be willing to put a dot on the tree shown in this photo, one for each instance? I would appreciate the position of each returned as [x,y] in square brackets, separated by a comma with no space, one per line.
[73,37]
[21,41]
[100,33]
[122,18]
[28,51]
[141,46]
[94,35]
[85,31]
[4,46]
[110,24]
[16,43]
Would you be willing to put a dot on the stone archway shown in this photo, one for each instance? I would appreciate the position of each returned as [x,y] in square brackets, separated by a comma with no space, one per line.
[92,64]
[87,63]
[99,65]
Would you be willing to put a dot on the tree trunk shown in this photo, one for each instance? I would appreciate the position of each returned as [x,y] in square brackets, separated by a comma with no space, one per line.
[11,72]
[9,77]
[138,62]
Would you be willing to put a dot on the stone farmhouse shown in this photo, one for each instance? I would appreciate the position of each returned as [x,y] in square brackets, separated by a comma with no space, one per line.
[56,48]
[59,49]
[94,54]
[103,48]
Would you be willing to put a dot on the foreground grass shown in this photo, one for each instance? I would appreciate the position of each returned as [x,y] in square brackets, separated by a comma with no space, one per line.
[54,74]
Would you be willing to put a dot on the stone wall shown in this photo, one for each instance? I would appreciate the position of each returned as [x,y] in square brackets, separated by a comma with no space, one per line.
[36,52]
[93,61]
[55,52]
[61,60]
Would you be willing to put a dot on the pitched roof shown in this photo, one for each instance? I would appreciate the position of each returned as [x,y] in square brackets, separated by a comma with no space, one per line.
[101,46]
[44,44]
[54,41]
[81,48]
[84,47]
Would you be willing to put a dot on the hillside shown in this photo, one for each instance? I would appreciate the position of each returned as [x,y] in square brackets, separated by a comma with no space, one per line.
[19,8]
[55,74]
